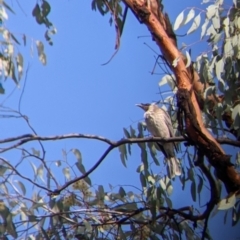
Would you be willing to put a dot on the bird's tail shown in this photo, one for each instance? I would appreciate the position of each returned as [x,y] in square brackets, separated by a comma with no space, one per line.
[174,167]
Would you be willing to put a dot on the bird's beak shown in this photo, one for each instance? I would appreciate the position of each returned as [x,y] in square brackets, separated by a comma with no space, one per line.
[141,106]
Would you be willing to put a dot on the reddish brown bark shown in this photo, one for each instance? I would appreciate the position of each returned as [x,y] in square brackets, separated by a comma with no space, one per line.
[188,84]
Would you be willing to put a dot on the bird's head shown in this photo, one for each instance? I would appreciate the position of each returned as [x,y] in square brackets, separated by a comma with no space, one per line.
[146,106]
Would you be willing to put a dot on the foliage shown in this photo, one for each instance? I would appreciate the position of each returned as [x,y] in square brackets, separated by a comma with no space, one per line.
[11,59]
[80,209]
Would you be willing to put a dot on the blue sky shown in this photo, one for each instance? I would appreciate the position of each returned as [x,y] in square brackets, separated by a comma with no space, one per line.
[74,93]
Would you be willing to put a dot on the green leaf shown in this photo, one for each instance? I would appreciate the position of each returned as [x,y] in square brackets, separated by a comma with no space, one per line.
[190,156]
[88,181]
[153,208]
[179,20]
[121,234]
[32,218]
[175,61]
[228,48]
[46,35]
[24,40]
[189,17]
[209,91]
[159,195]
[169,190]
[129,149]
[195,24]
[169,202]
[100,7]
[123,153]
[200,186]
[225,217]
[189,61]
[153,152]
[46,8]
[88,226]
[34,170]
[236,116]
[43,58]
[3,169]
[170,79]
[132,132]
[237,159]
[21,185]
[127,134]
[41,55]
[162,184]
[122,192]
[11,72]
[11,229]
[15,40]
[101,192]
[235,216]
[143,180]
[45,234]
[131,195]
[2,90]
[193,191]
[40,19]
[140,168]
[77,154]
[211,11]
[227,203]
[94,5]
[66,172]
[36,10]
[140,130]
[19,60]
[191,174]
[35,152]
[40,172]
[219,68]
[58,163]
[151,179]
[80,167]
[144,158]
[204,28]
[4,210]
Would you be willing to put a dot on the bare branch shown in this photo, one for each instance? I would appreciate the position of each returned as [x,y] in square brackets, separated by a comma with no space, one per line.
[31,137]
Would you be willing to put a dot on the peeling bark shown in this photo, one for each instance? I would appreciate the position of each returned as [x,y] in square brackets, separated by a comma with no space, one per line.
[189,87]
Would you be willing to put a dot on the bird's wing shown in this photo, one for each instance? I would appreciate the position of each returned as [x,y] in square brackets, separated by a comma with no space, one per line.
[168,122]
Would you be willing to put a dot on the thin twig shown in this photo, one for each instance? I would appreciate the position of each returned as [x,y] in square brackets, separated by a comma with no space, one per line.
[19,174]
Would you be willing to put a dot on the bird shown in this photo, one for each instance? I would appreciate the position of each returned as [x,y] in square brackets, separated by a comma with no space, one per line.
[159,124]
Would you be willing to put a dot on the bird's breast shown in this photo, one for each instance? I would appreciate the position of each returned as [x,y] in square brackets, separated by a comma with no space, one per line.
[156,124]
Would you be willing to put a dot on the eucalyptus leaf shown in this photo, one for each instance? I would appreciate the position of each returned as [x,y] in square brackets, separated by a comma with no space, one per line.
[227,202]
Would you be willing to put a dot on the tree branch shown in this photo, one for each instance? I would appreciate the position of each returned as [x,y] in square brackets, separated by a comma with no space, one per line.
[31,137]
